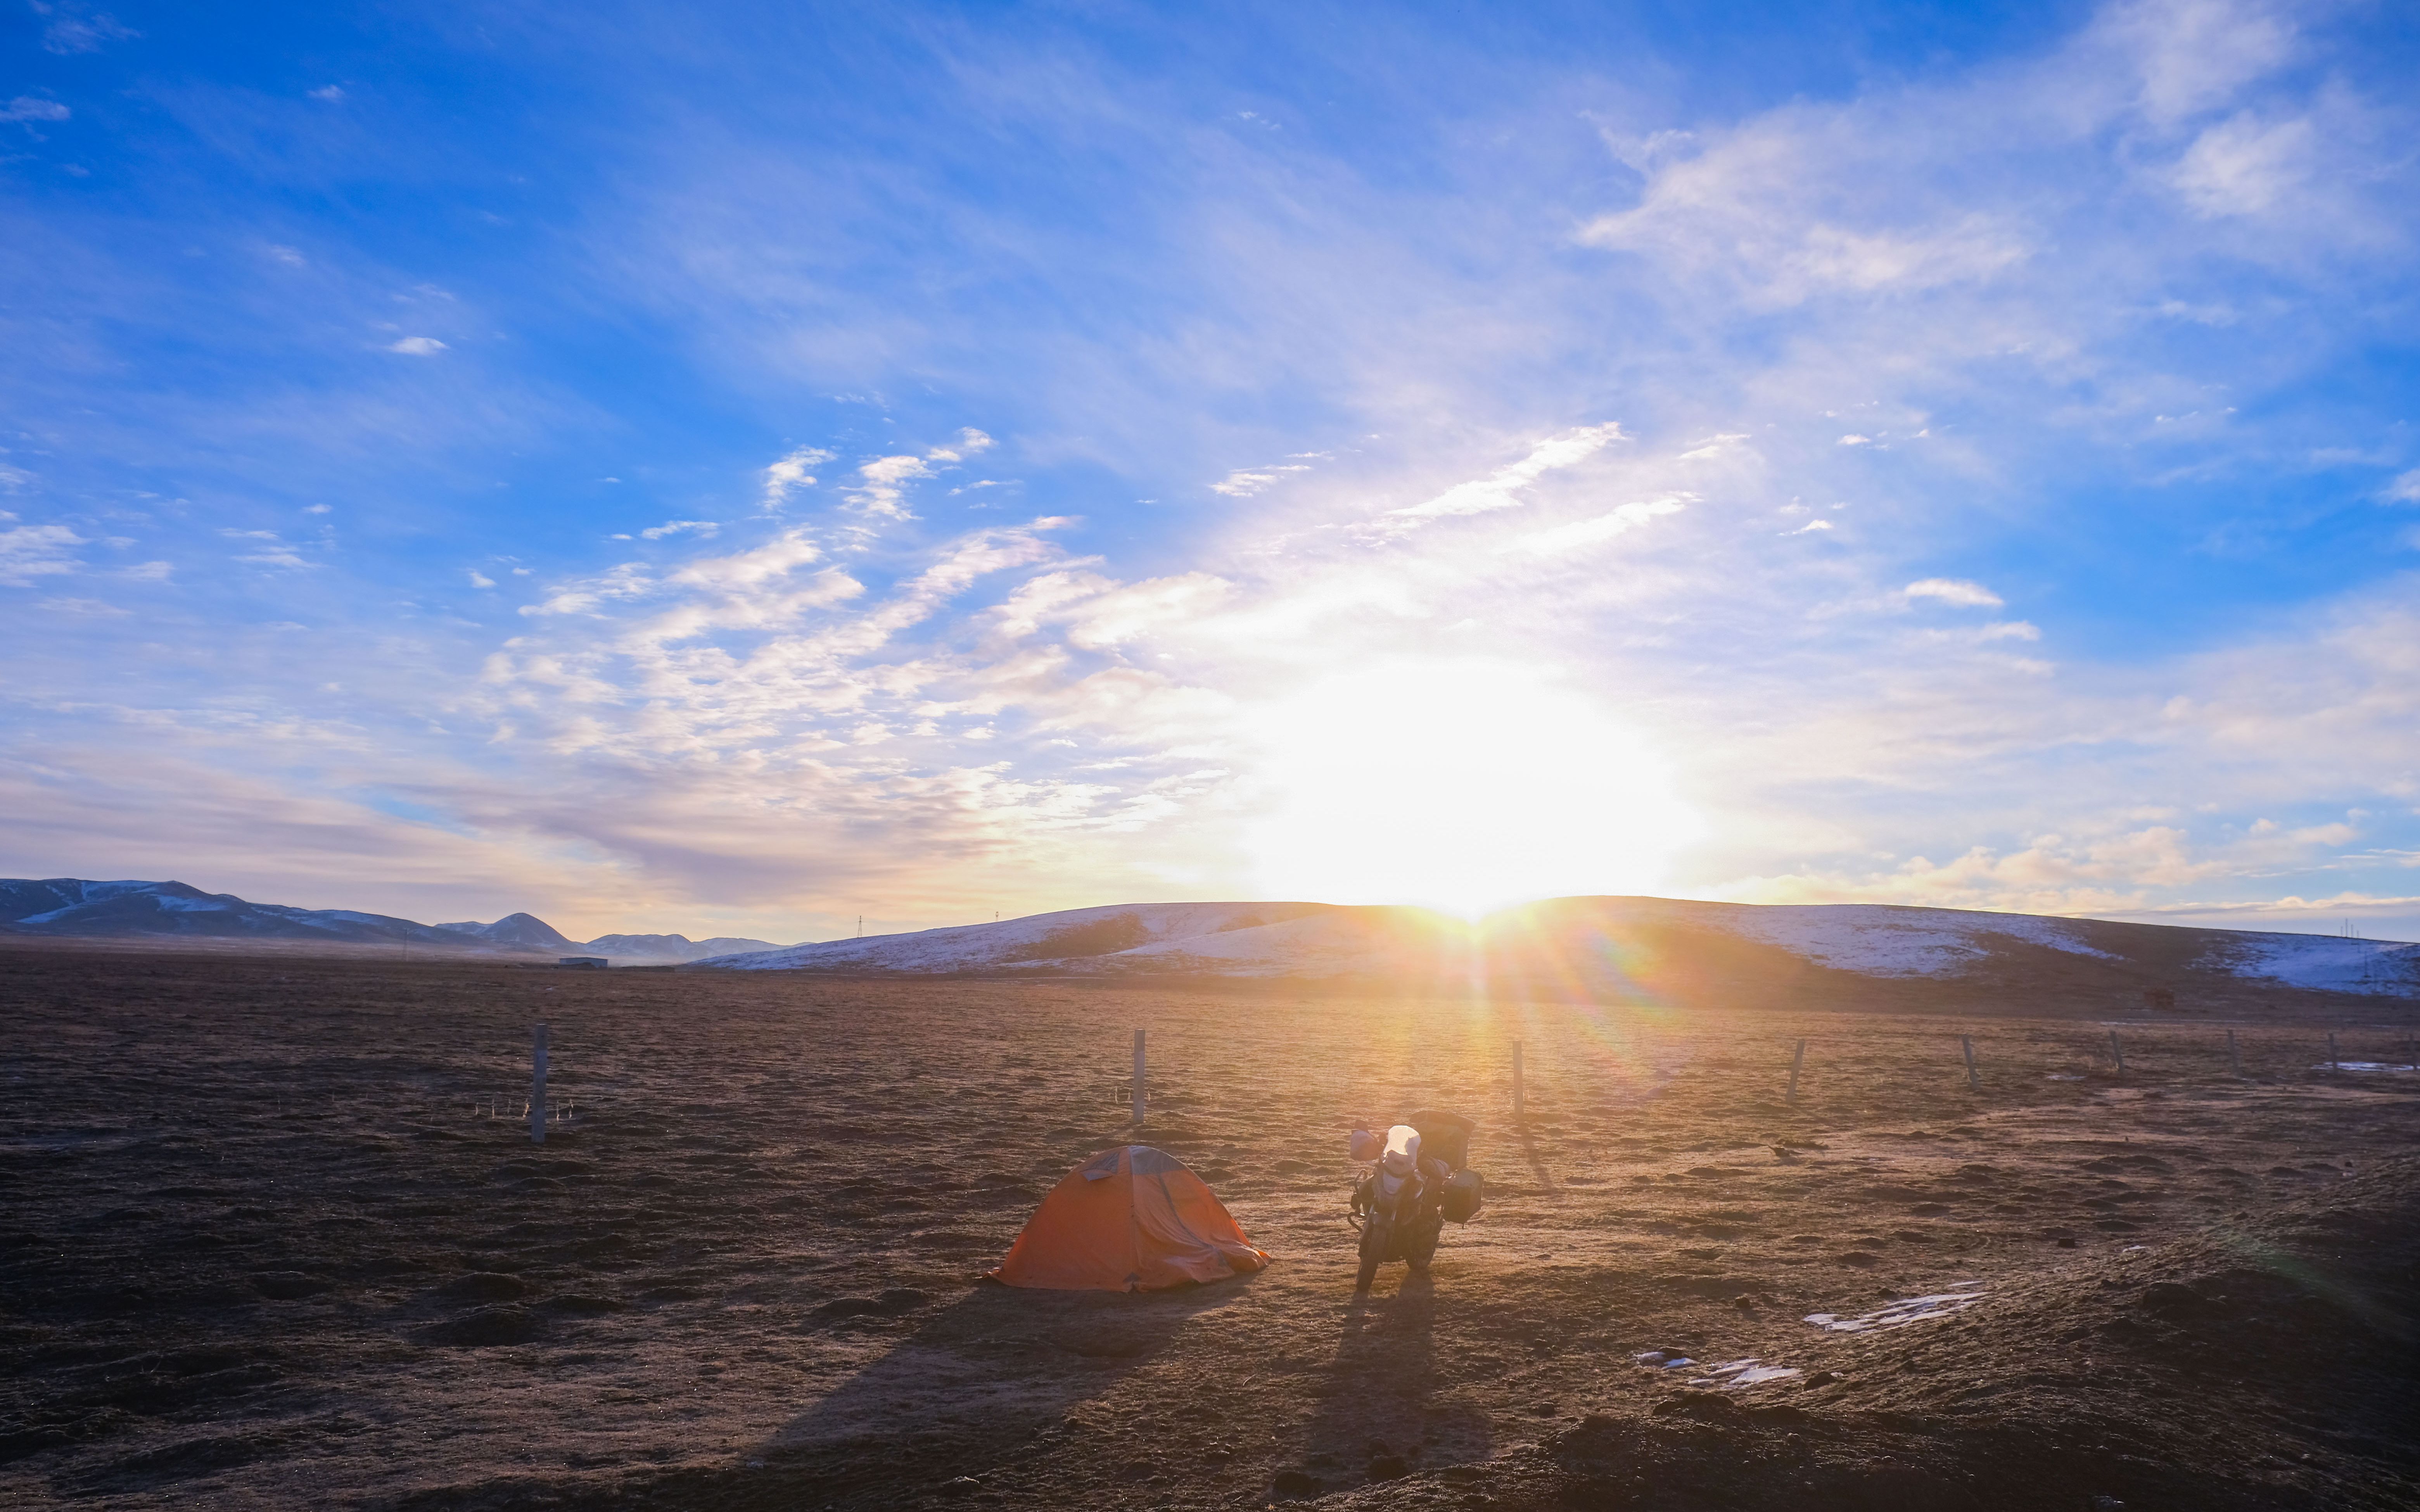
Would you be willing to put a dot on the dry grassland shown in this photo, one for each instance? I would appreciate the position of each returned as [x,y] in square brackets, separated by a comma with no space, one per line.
[258,1251]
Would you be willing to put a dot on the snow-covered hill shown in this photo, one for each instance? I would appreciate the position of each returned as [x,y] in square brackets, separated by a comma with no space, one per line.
[648,950]
[1632,946]
[1653,949]
[75,907]
[72,906]
[1039,939]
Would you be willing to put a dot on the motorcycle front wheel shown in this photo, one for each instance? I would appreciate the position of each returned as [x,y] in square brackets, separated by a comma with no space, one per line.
[1373,1250]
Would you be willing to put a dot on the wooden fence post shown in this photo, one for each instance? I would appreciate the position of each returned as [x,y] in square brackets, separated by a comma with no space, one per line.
[2117,1051]
[2333,1063]
[538,1087]
[1141,1098]
[1966,1043]
[1795,1061]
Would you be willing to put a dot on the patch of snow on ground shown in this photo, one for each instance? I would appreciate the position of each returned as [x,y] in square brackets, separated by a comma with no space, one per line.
[1738,1373]
[173,904]
[1009,942]
[1329,943]
[1884,941]
[1904,1311]
[2325,963]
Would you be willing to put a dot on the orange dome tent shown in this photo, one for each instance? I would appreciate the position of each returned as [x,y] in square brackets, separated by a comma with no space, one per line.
[1129,1219]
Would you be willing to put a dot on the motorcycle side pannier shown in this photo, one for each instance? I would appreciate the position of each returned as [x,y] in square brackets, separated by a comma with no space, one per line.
[1462,1196]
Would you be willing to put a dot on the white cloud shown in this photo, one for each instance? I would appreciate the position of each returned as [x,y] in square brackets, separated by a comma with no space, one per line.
[31,108]
[1244,483]
[1498,489]
[970,442]
[1856,441]
[1602,528]
[318,509]
[1810,527]
[480,579]
[627,581]
[417,345]
[1957,591]
[1713,446]
[83,34]
[750,568]
[790,474]
[676,527]
[85,608]
[883,491]
[2405,489]
[331,93]
[31,551]
[2244,165]
[2186,57]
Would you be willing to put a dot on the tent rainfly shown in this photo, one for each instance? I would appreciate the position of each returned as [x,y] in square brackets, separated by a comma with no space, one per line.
[1129,1219]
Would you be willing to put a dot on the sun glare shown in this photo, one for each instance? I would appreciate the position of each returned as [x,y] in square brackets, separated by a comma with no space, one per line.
[1462,785]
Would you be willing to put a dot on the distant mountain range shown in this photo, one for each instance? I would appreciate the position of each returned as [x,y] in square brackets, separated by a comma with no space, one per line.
[70,906]
[1652,950]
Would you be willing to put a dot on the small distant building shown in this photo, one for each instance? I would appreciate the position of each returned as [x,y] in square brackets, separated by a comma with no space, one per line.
[583,963]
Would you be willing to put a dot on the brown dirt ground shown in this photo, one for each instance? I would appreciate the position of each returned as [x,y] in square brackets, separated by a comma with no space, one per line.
[258,1250]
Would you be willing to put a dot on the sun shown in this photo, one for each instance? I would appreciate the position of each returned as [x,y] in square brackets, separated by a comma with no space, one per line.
[1465,785]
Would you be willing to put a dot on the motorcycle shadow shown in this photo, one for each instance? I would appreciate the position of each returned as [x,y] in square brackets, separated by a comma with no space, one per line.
[1378,1416]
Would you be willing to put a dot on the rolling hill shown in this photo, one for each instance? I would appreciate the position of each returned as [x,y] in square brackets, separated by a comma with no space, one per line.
[72,908]
[1641,950]
[1646,950]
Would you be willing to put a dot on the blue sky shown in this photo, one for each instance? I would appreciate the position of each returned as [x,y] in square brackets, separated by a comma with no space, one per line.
[734,469]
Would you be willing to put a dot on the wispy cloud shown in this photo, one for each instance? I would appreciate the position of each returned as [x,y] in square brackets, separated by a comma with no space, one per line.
[882,488]
[1956,591]
[1498,489]
[81,32]
[417,345]
[31,551]
[1245,482]
[1602,528]
[790,474]
[33,108]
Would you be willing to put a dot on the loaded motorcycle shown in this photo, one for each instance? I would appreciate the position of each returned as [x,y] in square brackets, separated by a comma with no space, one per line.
[1417,1183]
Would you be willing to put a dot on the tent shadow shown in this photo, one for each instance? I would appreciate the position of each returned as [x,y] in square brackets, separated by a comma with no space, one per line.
[1377,1401]
[984,1380]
